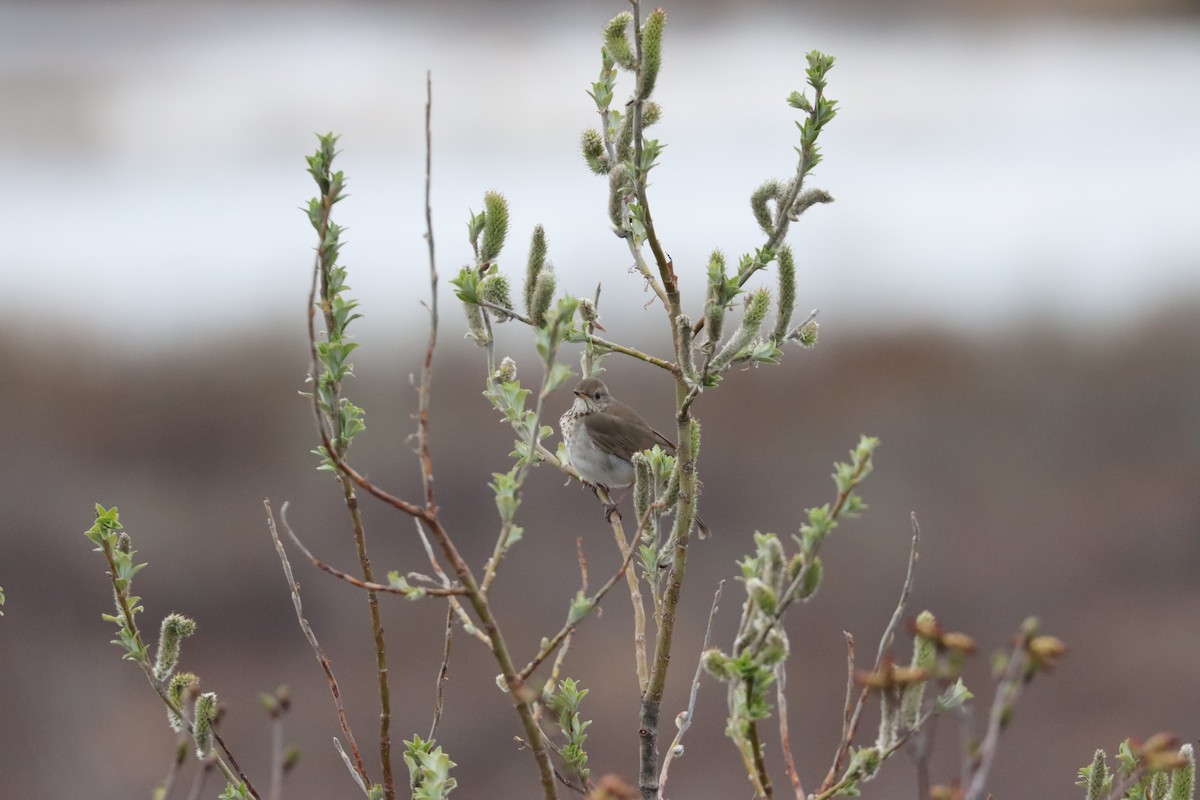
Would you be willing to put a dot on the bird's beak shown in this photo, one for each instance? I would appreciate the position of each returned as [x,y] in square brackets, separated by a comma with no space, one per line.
[578,393]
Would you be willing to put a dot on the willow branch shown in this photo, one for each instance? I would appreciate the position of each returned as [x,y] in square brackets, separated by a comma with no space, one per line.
[358,768]
[784,738]
[591,338]
[440,692]
[433,591]
[684,720]
[455,604]
[885,641]
[554,641]
[423,392]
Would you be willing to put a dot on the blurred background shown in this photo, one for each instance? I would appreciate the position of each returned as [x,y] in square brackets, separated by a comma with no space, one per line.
[1009,284]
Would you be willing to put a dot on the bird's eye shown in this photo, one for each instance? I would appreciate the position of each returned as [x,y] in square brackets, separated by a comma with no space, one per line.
[596,395]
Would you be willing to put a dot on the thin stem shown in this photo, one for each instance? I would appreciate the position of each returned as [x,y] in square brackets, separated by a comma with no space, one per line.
[275,791]
[666,270]
[592,339]
[181,751]
[782,216]
[501,547]
[851,727]
[381,665]
[423,392]
[411,591]
[784,738]
[522,697]
[851,777]
[440,693]
[760,765]
[232,772]
[684,720]
[635,594]
[569,627]
[1007,691]
[358,767]
[467,624]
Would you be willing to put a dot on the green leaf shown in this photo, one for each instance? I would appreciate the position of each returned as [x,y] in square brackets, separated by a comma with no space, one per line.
[559,374]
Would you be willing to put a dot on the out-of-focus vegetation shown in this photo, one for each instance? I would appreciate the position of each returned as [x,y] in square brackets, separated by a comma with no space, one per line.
[1059,470]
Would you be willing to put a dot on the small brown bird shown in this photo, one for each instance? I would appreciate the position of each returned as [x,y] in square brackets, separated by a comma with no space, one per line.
[601,435]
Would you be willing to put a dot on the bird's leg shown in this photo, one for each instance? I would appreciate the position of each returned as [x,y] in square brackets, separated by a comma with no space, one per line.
[610,508]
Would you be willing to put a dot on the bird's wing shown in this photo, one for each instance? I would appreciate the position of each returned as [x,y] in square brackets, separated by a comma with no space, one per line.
[623,437]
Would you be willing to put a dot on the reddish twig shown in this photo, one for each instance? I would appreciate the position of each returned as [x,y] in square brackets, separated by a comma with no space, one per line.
[358,768]
[784,739]
[434,591]
[554,641]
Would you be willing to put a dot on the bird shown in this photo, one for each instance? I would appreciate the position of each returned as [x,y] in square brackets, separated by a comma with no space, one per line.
[601,435]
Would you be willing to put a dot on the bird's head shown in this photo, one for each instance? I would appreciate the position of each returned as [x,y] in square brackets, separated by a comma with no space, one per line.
[591,395]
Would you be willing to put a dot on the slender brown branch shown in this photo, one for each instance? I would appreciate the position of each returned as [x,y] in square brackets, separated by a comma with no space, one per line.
[358,768]
[329,424]
[784,738]
[593,339]
[523,698]
[684,720]
[885,641]
[232,762]
[583,572]
[381,665]
[554,641]
[635,594]
[440,693]
[433,591]
[848,711]
[464,618]
[423,391]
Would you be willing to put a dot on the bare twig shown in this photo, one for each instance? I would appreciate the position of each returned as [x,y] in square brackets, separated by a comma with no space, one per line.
[467,624]
[1007,690]
[433,591]
[591,338]
[885,641]
[635,593]
[440,693]
[784,738]
[684,720]
[359,770]
[554,641]
[427,367]
[849,708]
[583,573]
